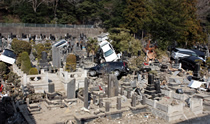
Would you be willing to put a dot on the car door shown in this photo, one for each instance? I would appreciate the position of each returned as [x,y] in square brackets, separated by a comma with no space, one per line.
[102,68]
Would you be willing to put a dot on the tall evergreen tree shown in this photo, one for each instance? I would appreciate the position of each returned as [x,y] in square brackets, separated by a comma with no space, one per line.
[111,13]
[136,15]
[192,31]
[175,20]
[166,21]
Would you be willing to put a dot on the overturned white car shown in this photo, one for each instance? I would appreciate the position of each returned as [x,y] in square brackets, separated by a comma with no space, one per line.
[108,51]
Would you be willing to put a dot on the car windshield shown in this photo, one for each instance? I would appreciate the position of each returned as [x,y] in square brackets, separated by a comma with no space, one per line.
[104,44]
[60,43]
[193,54]
[108,53]
[9,53]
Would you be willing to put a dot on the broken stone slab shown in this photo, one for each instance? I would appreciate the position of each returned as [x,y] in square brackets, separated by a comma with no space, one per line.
[195,84]
[173,84]
[96,88]
[175,73]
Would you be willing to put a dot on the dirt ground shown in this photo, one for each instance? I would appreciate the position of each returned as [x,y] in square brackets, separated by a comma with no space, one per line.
[129,118]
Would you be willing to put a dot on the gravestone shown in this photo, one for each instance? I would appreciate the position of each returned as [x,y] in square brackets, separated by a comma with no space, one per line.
[152,89]
[71,89]
[196,72]
[85,94]
[51,87]
[118,103]
[113,86]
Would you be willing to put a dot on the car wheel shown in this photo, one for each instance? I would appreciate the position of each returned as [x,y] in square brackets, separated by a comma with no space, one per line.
[116,72]
[92,72]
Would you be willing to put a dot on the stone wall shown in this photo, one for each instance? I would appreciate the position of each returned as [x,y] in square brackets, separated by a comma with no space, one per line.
[66,77]
[166,112]
[89,32]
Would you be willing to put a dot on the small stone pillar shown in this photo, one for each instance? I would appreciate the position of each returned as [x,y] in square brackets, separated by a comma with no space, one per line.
[46,77]
[85,94]
[71,89]
[129,94]
[107,106]
[27,101]
[24,79]
[157,86]
[94,99]
[51,87]
[133,102]
[116,85]
[143,102]
[110,86]
[122,91]
[100,100]
[139,78]
[65,76]
[118,103]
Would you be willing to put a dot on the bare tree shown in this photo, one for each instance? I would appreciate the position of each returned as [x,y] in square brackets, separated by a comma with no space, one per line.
[74,1]
[54,4]
[36,3]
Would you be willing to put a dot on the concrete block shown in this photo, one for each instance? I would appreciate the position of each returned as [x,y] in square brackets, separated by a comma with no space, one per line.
[196,105]
[165,116]
[167,93]
[179,96]
[151,102]
[170,110]
[175,108]
[162,107]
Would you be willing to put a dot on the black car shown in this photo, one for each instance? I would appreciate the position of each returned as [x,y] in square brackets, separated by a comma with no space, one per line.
[117,68]
[200,53]
[190,62]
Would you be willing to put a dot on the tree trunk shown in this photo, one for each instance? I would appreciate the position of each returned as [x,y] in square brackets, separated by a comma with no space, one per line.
[142,35]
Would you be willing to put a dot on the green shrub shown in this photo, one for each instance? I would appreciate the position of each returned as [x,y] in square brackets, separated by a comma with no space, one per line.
[25,62]
[3,69]
[20,46]
[71,63]
[39,48]
[136,63]
[33,71]
[18,61]
[160,53]
[14,78]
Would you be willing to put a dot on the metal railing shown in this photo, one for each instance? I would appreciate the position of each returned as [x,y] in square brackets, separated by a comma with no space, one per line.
[44,25]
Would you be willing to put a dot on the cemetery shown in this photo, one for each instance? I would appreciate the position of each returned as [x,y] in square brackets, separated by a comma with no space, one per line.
[59,89]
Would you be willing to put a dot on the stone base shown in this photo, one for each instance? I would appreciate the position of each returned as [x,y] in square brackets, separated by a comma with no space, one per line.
[165,116]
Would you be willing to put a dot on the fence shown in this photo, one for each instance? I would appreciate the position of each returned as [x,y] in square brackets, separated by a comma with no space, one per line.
[44,25]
